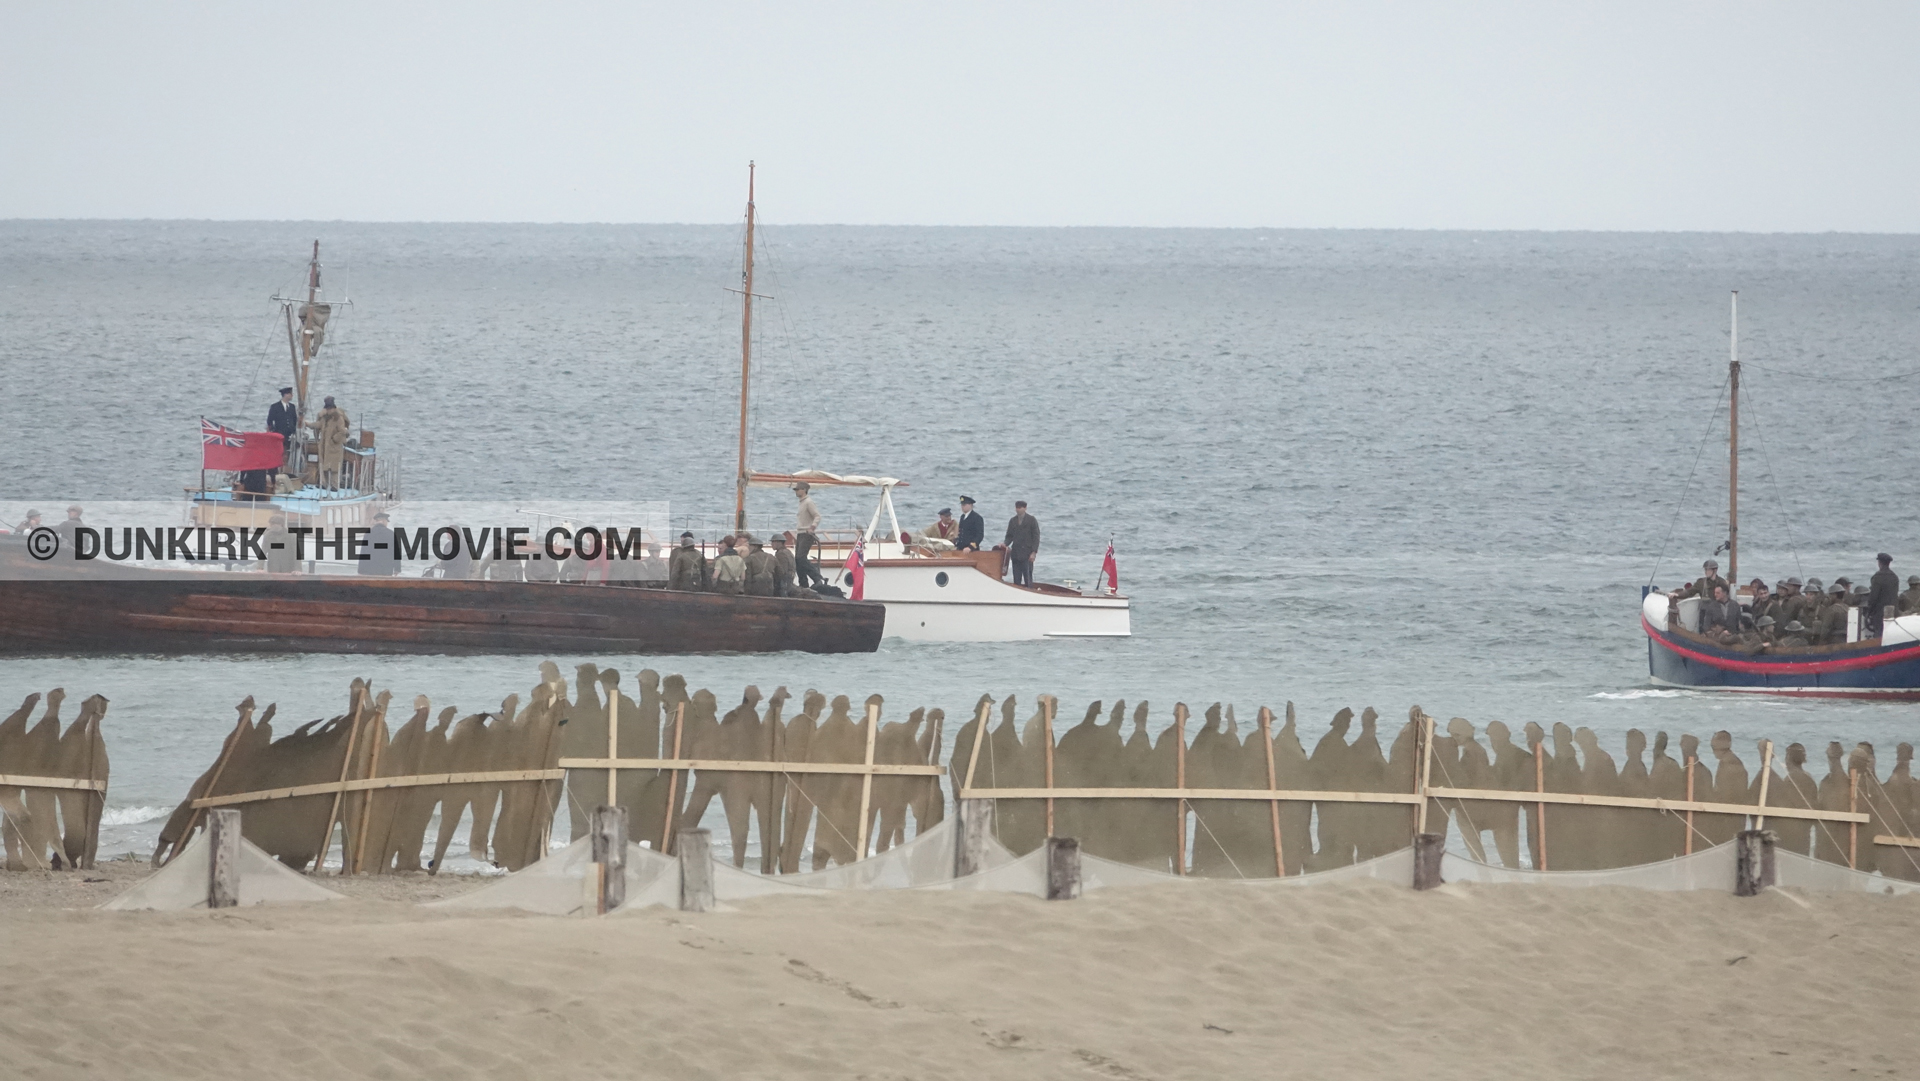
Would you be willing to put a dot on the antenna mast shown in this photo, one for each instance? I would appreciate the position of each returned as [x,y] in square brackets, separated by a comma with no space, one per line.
[1733,448]
[746,362]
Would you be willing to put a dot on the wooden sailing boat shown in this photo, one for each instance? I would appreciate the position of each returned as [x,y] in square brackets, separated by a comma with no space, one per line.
[1678,655]
[366,482]
[106,606]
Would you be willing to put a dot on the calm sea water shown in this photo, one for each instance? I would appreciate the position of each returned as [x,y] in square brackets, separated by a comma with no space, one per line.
[1340,468]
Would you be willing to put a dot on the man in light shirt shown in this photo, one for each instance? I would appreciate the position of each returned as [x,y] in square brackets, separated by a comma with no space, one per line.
[805,536]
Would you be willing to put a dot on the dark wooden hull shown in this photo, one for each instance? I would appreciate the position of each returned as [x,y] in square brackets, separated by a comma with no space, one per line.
[131,610]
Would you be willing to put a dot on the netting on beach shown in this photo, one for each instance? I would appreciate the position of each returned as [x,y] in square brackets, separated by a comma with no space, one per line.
[1804,872]
[563,885]
[182,883]
[1712,869]
[838,797]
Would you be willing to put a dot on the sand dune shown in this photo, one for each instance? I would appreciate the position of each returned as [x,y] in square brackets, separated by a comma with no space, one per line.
[1209,981]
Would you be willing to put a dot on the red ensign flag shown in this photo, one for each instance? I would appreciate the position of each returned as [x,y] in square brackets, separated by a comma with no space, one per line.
[857,571]
[1110,570]
[224,448]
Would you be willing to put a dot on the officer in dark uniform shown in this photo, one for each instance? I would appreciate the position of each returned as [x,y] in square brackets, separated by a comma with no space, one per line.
[973,528]
[284,417]
[1884,594]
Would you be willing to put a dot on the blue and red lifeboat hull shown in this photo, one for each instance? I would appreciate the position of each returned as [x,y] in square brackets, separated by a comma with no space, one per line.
[1865,670]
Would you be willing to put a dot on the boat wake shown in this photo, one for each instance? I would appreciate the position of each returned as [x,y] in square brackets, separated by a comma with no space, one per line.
[1644,692]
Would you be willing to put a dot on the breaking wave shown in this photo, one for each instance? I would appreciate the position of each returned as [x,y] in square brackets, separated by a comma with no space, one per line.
[131,816]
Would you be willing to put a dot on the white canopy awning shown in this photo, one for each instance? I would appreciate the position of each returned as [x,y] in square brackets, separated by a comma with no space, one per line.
[823,478]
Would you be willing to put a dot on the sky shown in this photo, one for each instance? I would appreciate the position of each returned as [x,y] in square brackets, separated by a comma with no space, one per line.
[1762,117]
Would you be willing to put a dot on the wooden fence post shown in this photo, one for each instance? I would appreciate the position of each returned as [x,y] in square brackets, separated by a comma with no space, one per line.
[1048,704]
[346,771]
[1427,850]
[974,825]
[1853,828]
[866,782]
[223,858]
[1424,778]
[1063,869]
[673,782]
[696,870]
[1753,862]
[1540,809]
[1273,784]
[610,855]
[613,744]
[1688,849]
[1180,781]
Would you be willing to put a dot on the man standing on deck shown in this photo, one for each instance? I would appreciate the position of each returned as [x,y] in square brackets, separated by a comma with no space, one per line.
[973,528]
[782,567]
[382,556]
[760,581]
[283,417]
[1023,543]
[806,529]
[279,545]
[1703,586]
[331,429]
[1885,592]
[729,571]
[66,528]
[688,569]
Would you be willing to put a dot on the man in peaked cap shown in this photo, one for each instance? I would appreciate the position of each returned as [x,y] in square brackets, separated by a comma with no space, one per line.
[944,527]
[1884,594]
[973,528]
[284,417]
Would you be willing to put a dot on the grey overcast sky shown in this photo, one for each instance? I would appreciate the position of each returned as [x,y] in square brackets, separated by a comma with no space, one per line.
[1531,115]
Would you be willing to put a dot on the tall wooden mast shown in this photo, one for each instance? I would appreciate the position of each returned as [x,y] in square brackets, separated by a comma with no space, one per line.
[1733,448]
[303,341]
[746,362]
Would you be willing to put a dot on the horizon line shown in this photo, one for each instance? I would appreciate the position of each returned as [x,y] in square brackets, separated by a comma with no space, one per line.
[902,225]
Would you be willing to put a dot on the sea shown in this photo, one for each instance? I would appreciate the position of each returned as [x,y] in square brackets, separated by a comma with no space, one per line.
[1338,468]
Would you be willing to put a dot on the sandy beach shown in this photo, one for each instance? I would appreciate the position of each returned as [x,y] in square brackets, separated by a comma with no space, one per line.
[1215,980]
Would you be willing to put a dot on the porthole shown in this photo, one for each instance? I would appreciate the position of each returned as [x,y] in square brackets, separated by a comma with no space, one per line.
[940,579]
